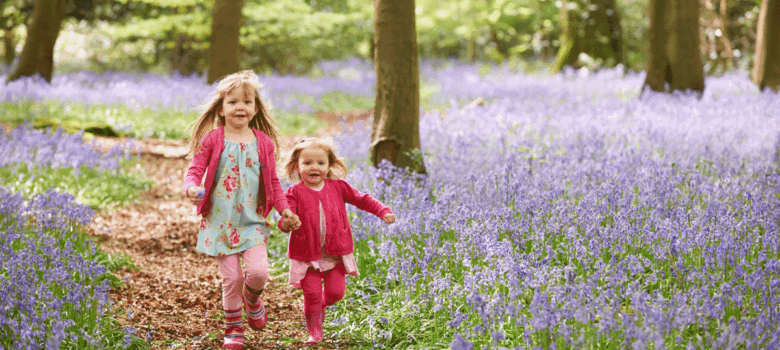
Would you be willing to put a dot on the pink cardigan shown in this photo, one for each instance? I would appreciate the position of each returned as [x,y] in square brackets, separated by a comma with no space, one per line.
[305,243]
[208,157]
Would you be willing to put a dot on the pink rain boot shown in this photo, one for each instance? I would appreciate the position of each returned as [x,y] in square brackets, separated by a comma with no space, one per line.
[256,315]
[314,325]
[234,331]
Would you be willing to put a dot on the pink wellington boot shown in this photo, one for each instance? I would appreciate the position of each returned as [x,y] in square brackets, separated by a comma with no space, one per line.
[234,331]
[314,325]
[256,314]
[234,338]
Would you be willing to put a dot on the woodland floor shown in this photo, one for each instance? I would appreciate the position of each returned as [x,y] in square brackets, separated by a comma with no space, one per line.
[176,293]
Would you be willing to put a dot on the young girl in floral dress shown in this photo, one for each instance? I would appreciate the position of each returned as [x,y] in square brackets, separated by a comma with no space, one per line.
[320,251]
[233,143]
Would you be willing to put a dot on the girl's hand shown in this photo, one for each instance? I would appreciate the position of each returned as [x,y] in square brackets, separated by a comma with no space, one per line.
[284,224]
[289,220]
[389,218]
[288,225]
[195,194]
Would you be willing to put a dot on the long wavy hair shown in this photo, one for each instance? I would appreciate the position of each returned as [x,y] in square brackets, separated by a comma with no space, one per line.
[210,119]
[337,168]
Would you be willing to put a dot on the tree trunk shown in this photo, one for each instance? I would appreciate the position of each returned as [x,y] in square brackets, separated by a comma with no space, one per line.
[592,27]
[185,57]
[501,45]
[570,46]
[674,59]
[37,55]
[372,46]
[226,21]
[608,40]
[766,68]
[395,133]
[471,48]
[9,47]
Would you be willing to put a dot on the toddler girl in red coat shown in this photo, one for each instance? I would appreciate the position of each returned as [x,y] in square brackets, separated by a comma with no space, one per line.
[320,251]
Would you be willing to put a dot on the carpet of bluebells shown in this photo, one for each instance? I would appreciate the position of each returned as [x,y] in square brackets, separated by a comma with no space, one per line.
[571,212]
[53,282]
[566,212]
[185,93]
[33,161]
[135,104]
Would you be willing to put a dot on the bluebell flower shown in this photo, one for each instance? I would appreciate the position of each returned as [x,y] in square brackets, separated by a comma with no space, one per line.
[458,343]
[127,340]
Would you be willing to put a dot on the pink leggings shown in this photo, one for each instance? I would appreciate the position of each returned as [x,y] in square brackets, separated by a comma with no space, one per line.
[233,279]
[315,297]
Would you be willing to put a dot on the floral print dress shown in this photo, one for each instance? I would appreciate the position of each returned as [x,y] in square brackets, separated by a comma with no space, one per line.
[233,225]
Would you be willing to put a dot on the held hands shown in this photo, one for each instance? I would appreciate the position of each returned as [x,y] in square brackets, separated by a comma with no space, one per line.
[195,194]
[289,221]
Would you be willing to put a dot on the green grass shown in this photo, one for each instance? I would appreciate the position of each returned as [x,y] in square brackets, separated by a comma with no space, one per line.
[278,262]
[119,120]
[97,189]
[105,120]
[112,333]
[336,102]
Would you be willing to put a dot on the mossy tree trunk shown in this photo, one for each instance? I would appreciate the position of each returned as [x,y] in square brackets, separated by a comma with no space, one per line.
[226,21]
[766,68]
[570,46]
[592,27]
[185,56]
[9,47]
[674,61]
[501,45]
[395,133]
[37,55]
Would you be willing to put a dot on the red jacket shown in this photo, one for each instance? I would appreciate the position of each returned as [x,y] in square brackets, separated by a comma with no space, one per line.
[305,243]
[208,157]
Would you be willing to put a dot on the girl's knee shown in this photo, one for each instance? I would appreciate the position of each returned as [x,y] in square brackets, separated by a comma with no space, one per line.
[333,296]
[258,274]
[312,297]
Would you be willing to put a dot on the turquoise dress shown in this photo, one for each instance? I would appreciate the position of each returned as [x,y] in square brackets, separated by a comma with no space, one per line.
[233,225]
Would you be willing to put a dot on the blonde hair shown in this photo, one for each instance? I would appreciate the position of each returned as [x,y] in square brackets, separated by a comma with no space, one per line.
[210,119]
[337,169]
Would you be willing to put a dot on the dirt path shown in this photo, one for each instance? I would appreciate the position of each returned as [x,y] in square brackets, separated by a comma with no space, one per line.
[176,294]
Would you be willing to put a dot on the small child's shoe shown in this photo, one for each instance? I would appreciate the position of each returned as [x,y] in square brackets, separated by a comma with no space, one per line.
[314,326]
[311,341]
[234,331]
[234,339]
[256,315]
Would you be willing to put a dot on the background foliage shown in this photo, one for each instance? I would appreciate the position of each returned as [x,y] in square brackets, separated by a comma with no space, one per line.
[162,35]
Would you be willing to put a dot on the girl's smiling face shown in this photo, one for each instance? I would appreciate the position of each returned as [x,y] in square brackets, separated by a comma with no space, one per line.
[238,108]
[313,167]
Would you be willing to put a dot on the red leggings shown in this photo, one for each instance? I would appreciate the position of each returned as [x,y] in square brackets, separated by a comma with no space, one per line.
[315,297]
